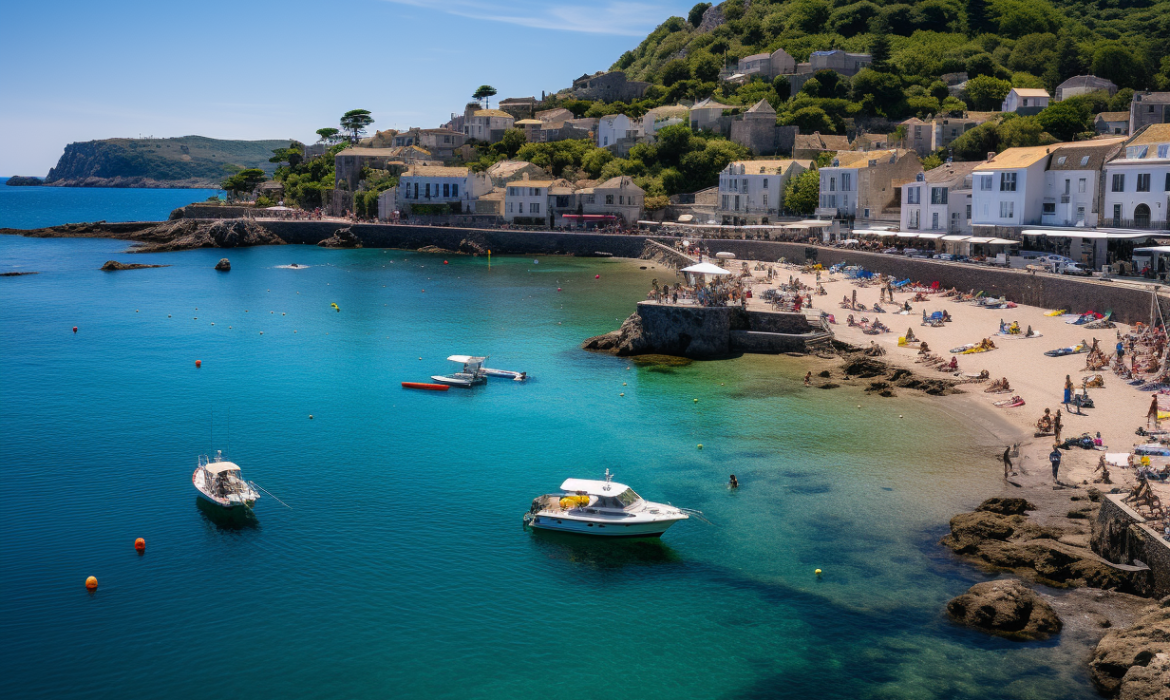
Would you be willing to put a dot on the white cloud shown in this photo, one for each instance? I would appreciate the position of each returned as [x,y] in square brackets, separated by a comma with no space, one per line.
[623,19]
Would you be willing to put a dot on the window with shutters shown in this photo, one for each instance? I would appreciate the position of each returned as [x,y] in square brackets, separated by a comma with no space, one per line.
[1143,182]
[1118,182]
[1007,182]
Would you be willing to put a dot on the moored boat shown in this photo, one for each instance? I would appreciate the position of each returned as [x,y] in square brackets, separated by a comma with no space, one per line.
[603,509]
[219,482]
[471,374]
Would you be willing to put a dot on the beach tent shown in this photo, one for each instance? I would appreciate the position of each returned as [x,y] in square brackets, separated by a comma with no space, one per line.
[705,269]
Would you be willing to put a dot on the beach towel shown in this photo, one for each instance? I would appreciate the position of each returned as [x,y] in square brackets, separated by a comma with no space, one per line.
[1117,459]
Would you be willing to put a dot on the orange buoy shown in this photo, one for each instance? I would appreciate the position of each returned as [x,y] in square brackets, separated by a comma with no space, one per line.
[140,544]
[75,329]
[423,385]
[198,363]
[91,583]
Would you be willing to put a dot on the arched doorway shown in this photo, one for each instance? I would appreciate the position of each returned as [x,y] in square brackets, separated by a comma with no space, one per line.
[1141,216]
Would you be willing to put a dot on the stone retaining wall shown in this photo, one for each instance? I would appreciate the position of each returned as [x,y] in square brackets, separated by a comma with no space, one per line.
[1121,535]
[701,332]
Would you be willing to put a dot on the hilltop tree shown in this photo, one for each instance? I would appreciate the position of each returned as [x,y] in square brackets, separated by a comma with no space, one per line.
[355,121]
[879,48]
[294,155]
[1068,58]
[976,17]
[243,182]
[328,134]
[695,17]
[483,94]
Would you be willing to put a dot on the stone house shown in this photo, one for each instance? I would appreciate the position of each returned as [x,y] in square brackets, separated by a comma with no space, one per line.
[519,107]
[709,114]
[756,129]
[491,204]
[458,188]
[348,164]
[1026,101]
[506,171]
[557,114]
[926,137]
[761,65]
[486,124]
[939,200]
[1137,181]
[608,87]
[1112,123]
[440,144]
[845,63]
[752,191]
[617,199]
[872,142]
[1148,108]
[865,185]
[809,146]
[1083,85]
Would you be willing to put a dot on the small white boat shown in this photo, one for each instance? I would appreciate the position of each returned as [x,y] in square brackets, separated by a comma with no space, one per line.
[602,508]
[219,482]
[472,373]
[506,374]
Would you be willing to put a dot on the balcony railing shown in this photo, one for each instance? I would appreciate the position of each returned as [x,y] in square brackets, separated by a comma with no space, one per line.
[1142,224]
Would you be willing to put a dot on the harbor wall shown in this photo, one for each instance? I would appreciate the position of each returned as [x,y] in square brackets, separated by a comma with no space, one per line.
[1121,535]
[700,332]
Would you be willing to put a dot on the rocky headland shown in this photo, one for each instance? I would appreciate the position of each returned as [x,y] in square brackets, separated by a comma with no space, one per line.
[166,236]
[22,181]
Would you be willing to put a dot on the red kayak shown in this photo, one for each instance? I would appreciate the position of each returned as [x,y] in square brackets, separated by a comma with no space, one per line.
[428,387]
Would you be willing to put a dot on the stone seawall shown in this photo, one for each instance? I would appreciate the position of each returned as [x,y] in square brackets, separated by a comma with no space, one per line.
[700,332]
[1121,535]
[1129,303]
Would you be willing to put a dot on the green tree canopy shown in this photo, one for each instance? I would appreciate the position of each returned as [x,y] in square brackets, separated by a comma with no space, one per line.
[675,71]
[327,134]
[986,93]
[1066,119]
[695,16]
[483,92]
[802,193]
[355,122]
[243,182]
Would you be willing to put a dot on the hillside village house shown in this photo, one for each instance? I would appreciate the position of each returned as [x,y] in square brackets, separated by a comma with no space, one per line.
[505,171]
[616,199]
[519,107]
[809,146]
[1137,181]
[872,142]
[864,185]
[662,117]
[436,185]
[608,87]
[761,65]
[527,200]
[752,191]
[616,130]
[843,62]
[1112,123]
[348,164]
[1148,108]
[708,114]
[1053,185]
[1025,101]
[486,124]
[441,144]
[1083,85]
[939,200]
[926,137]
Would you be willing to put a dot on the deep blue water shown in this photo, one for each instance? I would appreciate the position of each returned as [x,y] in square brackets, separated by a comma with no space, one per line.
[36,207]
[402,569]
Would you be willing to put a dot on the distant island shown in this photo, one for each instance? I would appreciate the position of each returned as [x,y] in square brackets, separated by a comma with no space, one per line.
[186,161]
[21,181]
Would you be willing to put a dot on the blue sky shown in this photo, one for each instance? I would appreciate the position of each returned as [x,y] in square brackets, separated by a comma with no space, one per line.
[254,69]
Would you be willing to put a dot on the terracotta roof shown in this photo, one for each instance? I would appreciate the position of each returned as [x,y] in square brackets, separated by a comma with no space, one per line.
[1114,116]
[1031,92]
[815,141]
[770,167]
[435,171]
[860,159]
[1023,157]
[619,182]
[761,107]
[368,152]
[497,193]
[490,113]
[532,183]
[949,173]
[528,122]
[1154,133]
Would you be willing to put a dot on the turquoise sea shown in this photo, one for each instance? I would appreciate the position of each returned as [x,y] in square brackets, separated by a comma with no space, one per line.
[35,207]
[401,568]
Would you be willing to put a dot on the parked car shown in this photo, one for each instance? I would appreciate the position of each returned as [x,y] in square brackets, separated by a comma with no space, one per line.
[1072,268]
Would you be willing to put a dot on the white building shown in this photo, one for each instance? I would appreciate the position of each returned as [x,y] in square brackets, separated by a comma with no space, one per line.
[1137,181]
[752,191]
[1028,100]
[527,199]
[486,124]
[939,200]
[662,117]
[614,127]
[1072,183]
[434,184]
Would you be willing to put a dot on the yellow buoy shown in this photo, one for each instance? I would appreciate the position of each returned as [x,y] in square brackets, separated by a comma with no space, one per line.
[310,416]
[622,394]
[91,583]
[623,383]
[817,572]
[700,445]
[696,401]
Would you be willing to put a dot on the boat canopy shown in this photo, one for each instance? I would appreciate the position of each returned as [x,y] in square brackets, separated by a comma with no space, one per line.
[594,487]
[467,359]
[220,467]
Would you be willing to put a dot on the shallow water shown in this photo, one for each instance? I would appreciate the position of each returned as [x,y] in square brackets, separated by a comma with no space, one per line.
[401,568]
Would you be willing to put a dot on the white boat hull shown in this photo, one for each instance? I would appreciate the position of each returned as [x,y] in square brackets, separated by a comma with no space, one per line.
[198,482]
[564,522]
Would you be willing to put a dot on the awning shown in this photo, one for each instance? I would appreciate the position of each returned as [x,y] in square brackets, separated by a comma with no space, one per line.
[815,222]
[705,269]
[589,217]
[931,236]
[955,238]
[906,234]
[1163,249]
[650,223]
[870,232]
[979,239]
[1089,234]
[1002,241]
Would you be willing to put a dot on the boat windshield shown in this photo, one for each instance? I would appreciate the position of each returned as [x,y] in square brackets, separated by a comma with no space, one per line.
[628,497]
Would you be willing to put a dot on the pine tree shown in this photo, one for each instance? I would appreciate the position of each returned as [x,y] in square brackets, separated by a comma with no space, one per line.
[880,50]
[976,17]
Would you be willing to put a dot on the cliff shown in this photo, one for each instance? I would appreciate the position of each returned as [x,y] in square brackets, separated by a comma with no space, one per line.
[188,161]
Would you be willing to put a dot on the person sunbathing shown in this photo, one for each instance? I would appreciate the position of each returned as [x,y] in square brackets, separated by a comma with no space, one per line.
[925,349]
[1014,329]
[954,364]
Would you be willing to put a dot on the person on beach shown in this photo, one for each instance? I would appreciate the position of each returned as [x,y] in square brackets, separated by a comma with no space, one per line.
[1152,414]
[808,379]
[734,483]
[1007,461]
[1054,457]
[1068,390]
[1056,426]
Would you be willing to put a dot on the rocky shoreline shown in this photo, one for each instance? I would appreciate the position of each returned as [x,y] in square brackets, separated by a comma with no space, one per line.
[165,236]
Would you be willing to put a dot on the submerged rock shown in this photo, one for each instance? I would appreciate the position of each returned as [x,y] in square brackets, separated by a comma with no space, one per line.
[114,266]
[1005,608]
[224,265]
[1134,663]
[1006,506]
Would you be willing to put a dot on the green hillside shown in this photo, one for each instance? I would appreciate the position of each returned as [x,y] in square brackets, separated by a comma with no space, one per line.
[187,160]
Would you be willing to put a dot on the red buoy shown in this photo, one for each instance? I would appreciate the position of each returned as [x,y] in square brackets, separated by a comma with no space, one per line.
[75,329]
[558,289]
[198,363]
[444,262]
[91,583]
[140,545]
[596,277]
[422,385]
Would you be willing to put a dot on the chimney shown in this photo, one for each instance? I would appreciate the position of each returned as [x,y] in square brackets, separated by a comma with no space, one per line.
[990,155]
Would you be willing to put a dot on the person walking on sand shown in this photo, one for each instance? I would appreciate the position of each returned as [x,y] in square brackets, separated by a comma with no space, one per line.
[1068,390]
[1152,414]
[1056,426]
[1054,457]
[1007,461]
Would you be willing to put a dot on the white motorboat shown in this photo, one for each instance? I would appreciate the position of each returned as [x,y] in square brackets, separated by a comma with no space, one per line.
[219,481]
[472,373]
[602,508]
[506,374]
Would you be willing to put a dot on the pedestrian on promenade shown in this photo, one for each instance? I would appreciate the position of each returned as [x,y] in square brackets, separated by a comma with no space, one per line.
[1056,426]
[1120,349]
[1054,457]
[1068,389]
[1152,414]
[1007,461]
